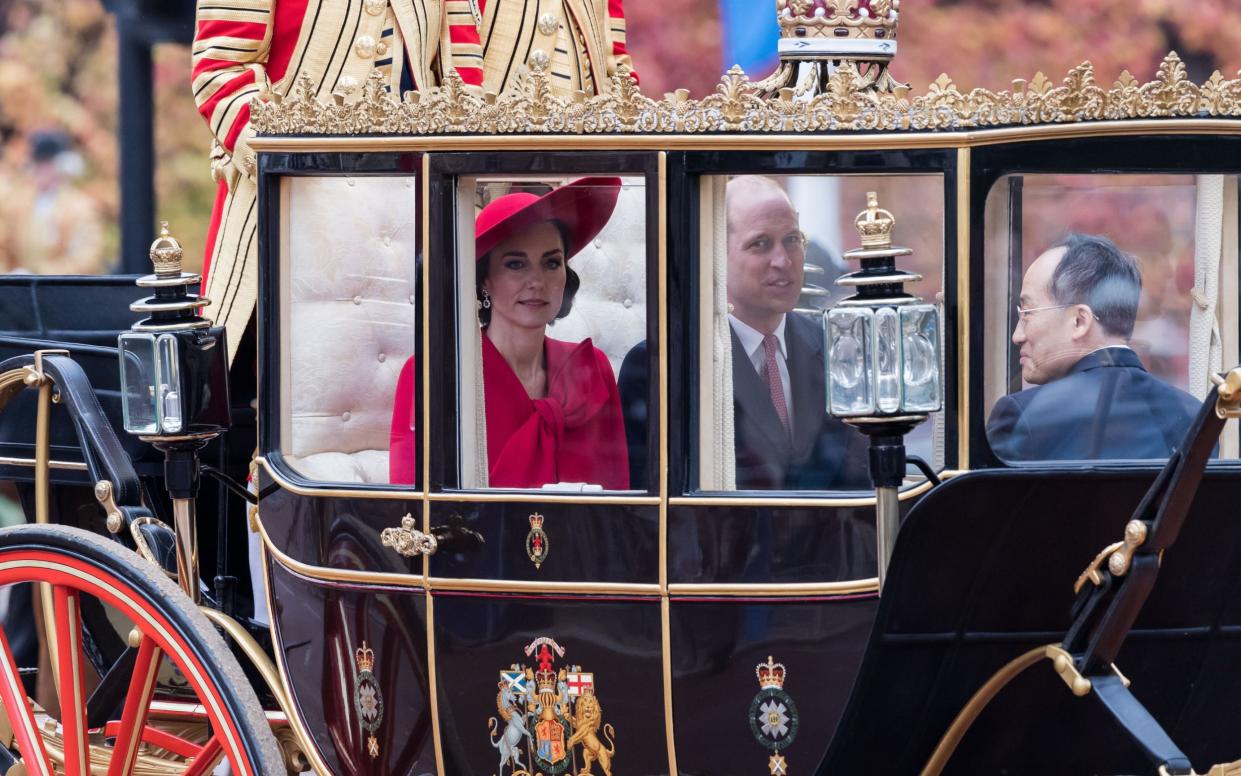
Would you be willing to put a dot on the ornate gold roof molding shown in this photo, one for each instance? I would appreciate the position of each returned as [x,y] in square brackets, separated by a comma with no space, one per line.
[738,107]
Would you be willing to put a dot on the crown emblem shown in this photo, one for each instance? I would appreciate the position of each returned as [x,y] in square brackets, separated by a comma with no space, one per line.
[166,253]
[545,681]
[365,657]
[875,224]
[838,29]
[536,521]
[770,674]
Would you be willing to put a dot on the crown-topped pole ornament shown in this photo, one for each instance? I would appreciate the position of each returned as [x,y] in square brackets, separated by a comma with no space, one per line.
[883,361]
[818,37]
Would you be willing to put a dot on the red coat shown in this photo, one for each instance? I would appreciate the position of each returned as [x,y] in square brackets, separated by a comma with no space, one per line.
[574,434]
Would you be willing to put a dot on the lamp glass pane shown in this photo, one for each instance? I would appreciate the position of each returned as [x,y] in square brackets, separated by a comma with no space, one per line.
[887,360]
[920,354]
[168,408]
[137,355]
[849,375]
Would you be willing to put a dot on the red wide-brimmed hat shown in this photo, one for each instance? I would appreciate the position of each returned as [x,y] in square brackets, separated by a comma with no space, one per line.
[583,206]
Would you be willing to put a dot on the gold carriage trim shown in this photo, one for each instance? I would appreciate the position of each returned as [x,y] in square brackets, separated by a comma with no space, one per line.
[737,106]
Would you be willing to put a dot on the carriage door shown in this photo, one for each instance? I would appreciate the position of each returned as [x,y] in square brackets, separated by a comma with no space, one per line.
[771,526]
[544,289]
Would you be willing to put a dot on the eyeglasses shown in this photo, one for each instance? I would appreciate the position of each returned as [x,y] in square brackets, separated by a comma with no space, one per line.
[1024,313]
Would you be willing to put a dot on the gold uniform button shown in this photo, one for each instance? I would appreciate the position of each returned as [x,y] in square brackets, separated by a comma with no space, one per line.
[539,59]
[376,7]
[381,48]
[548,23]
[364,46]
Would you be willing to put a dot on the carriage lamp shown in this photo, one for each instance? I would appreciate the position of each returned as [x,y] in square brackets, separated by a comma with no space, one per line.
[174,363]
[882,362]
[174,386]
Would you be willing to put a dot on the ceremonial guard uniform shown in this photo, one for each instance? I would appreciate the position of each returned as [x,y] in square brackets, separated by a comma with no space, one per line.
[245,49]
[581,43]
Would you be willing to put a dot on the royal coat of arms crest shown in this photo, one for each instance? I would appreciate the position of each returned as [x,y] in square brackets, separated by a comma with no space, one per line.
[551,716]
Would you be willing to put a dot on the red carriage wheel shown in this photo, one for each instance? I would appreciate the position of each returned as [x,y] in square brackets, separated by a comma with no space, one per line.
[212,716]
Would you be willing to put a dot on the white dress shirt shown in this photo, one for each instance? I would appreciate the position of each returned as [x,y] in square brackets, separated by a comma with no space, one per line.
[752,343]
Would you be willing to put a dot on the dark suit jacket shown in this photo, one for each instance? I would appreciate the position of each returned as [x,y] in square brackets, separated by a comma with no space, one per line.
[823,452]
[1107,406]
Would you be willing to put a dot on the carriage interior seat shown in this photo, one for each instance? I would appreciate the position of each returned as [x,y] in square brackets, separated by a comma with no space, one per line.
[352,303]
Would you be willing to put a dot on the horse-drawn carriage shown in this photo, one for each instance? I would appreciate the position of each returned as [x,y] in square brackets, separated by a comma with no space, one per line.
[384,601]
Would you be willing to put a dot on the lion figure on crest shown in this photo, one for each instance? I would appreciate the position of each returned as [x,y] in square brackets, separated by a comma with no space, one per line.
[586,718]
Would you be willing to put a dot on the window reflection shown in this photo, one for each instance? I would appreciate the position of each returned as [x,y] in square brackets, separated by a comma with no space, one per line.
[557,291]
[1113,323]
[771,251]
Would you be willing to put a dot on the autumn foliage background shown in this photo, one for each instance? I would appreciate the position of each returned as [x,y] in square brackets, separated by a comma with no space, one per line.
[58,71]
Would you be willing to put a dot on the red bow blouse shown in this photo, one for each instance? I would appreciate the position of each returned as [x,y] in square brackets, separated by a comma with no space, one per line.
[574,434]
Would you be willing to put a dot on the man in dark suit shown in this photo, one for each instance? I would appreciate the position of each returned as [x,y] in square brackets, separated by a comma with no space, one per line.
[1091,398]
[784,438]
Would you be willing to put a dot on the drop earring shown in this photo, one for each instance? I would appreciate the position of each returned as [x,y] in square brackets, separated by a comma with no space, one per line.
[486,300]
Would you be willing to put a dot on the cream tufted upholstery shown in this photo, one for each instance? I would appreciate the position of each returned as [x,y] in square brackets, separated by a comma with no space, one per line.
[610,307]
[350,306]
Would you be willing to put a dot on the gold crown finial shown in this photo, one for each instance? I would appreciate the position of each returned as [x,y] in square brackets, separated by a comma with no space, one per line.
[839,29]
[875,224]
[366,658]
[166,253]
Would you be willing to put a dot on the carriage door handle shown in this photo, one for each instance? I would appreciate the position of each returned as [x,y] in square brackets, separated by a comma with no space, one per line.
[408,540]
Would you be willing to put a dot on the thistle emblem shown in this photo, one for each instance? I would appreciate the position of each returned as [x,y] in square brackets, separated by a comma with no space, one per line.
[537,542]
[367,699]
[773,715]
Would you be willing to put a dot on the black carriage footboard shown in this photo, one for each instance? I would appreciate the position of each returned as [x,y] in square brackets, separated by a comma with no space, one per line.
[982,588]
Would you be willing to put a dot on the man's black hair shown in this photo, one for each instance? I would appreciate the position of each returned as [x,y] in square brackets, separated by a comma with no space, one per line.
[1096,273]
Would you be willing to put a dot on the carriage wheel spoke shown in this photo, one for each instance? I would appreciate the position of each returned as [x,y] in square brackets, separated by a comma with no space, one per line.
[137,704]
[70,664]
[21,717]
[206,758]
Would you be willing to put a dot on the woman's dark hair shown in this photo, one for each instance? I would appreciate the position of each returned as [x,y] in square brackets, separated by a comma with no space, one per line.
[571,281]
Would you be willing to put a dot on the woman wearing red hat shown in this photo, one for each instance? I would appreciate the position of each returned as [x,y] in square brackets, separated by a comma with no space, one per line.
[553,411]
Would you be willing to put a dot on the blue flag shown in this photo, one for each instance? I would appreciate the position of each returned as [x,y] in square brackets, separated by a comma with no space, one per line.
[750,35]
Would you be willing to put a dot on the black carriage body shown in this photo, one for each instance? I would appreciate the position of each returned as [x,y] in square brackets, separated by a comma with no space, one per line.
[673,596]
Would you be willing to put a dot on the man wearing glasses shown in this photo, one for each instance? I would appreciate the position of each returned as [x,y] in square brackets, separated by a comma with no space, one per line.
[1092,398]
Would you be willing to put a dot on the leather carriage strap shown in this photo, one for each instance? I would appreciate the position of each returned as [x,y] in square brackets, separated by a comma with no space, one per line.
[1163,509]
[102,451]
[1105,614]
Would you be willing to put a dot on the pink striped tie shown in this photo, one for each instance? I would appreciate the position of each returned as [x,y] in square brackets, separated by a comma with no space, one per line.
[770,348]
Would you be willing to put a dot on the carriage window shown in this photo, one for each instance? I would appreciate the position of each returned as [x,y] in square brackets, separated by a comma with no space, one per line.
[1110,301]
[553,311]
[771,251]
[348,296]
